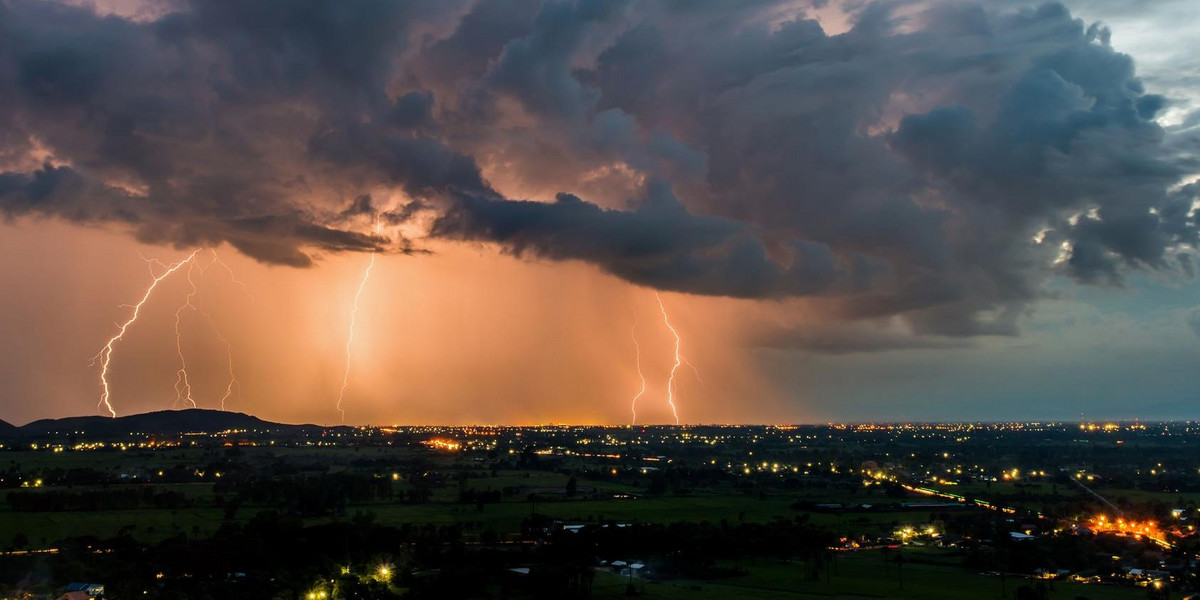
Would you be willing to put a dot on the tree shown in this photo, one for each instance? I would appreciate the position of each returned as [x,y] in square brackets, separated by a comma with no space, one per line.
[658,485]
[1033,592]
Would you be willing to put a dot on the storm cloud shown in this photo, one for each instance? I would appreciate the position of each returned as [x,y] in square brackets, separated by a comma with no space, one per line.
[935,164]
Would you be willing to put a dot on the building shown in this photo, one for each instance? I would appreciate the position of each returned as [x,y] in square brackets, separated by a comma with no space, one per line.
[91,590]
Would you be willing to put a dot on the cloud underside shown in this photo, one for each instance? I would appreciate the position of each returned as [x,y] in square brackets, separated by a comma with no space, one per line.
[935,167]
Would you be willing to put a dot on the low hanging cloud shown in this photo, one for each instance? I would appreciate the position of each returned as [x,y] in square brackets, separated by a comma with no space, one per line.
[657,244]
[933,163]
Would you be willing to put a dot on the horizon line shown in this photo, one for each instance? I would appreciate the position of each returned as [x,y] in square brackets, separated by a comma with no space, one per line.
[849,423]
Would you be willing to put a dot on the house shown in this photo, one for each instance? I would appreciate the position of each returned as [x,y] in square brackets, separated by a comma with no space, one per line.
[92,590]
[633,570]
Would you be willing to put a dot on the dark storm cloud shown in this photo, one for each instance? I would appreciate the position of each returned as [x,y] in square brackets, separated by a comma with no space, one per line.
[1073,132]
[420,165]
[190,129]
[276,238]
[936,167]
[658,243]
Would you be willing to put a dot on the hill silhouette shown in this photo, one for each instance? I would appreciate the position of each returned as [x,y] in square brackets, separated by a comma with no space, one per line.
[158,422]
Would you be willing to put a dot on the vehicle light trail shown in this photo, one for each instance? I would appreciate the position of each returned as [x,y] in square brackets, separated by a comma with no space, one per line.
[105,354]
[678,359]
[350,337]
[638,348]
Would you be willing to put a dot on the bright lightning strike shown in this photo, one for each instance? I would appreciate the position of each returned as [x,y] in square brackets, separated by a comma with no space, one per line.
[105,354]
[641,392]
[678,359]
[350,337]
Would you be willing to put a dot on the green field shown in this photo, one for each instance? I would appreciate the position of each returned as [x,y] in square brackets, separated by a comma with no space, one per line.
[1047,491]
[927,575]
[152,524]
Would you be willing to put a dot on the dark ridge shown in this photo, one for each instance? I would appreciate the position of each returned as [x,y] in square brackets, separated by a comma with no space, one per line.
[158,422]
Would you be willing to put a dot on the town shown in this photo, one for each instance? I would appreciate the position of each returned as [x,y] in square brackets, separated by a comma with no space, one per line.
[247,508]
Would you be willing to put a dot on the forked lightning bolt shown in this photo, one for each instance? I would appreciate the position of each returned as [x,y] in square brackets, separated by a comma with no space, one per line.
[638,348]
[217,260]
[105,354]
[350,337]
[229,363]
[228,348]
[678,359]
[183,387]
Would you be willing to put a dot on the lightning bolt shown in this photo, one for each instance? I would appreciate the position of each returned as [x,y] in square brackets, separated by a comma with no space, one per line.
[678,358]
[350,337]
[228,360]
[228,348]
[105,354]
[638,348]
[183,387]
[217,260]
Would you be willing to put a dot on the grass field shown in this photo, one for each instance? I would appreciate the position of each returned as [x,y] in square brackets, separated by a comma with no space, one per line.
[151,524]
[1068,490]
[43,529]
[855,576]
[928,573]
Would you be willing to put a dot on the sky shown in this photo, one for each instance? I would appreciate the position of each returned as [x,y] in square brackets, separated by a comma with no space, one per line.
[767,211]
